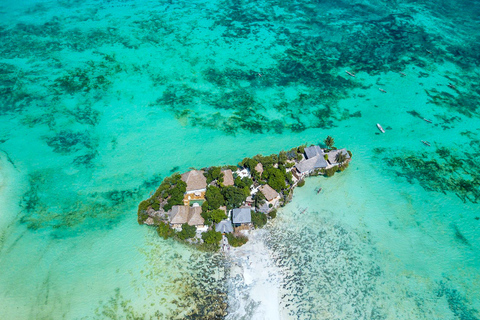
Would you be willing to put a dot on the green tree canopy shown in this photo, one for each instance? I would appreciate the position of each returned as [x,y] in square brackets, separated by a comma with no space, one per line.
[236,241]
[275,178]
[171,188]
[329,142]
[289,177]
[234,197]
[213,173]
[259,219]
[249,164]
[282,157]
[165,231]
[176,195]
[187,232]
[214,216]
[259,199]
[212,237]
[214,198]
[340,157]
[267,161]
[243,182]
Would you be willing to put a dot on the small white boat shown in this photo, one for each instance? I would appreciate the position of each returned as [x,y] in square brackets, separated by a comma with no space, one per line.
[382,90]
[425,143]
[380,128]
[429,121]
[350,73]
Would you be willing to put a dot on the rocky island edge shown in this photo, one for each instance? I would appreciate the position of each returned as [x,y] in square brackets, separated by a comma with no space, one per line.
[215,207]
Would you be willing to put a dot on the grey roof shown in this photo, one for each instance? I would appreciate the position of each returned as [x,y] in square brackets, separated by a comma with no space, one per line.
[332,155]
[313,151]
[241,215]
[224,226]
[311,164]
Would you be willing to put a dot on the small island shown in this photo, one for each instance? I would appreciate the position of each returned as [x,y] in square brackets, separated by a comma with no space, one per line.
[215,207]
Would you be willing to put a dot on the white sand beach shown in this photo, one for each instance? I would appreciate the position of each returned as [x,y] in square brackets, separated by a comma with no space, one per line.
[254,285]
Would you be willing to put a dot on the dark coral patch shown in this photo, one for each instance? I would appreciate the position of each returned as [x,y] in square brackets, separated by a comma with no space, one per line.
[450,172]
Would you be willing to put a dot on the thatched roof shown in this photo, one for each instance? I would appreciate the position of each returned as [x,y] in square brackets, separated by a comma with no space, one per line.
[195,216]
[195,180]
[259,168]
[179,214]
[186,214]
[268,192]
[241,215]
[332,155]
[227,177]
[311,164]
[224,226]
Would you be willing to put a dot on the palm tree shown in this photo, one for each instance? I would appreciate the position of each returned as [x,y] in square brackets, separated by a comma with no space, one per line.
[259,199]
[340,157]
[329,142]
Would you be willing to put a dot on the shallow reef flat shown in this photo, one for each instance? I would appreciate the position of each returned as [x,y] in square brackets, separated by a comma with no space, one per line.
[99,100]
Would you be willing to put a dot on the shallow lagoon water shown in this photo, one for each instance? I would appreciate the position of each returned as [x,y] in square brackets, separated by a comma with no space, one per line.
[102,99]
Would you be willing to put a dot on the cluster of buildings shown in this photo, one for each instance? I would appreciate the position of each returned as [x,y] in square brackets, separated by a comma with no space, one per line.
[316,158]
[190,212]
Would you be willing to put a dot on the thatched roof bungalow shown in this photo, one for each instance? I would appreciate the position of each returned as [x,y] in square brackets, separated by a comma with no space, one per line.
[228,177]
[259,168]
[179,215]
[270,194]
[195,180]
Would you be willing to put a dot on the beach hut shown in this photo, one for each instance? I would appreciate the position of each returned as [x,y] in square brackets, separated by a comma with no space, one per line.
[195,180]
[270,194]
[228,177]
[241,216]
[332,155]
[305,167]
[259,168]
[179,215]
[313,151]
[224,226]
[195,216]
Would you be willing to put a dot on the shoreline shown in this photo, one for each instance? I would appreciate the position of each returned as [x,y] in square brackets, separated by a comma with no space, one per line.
[220,205]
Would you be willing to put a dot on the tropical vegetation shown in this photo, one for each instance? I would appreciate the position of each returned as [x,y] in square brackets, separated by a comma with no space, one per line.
[274,171]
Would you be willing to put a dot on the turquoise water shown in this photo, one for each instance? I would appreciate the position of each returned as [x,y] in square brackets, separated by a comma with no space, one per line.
[102,99]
